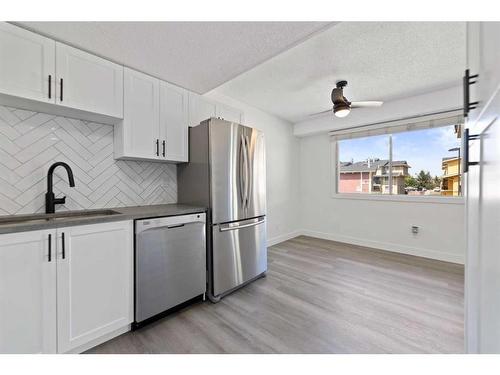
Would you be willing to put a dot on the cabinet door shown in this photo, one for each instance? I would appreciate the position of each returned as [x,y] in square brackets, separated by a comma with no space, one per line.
[173,122]
[200,109]
[229,114]
[27,64]
[94,282]
[27,292]
[88,82]
[141,122]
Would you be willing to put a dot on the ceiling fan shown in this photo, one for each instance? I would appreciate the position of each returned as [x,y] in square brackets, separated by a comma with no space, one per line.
[341,106]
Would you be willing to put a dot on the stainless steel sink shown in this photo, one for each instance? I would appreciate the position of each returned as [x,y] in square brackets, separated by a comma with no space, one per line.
[40,218]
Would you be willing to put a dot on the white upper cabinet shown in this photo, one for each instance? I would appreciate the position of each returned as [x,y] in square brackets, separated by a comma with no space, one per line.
[200,109]
[88,82]
[229,113]
[174,119]
[27,64]
[155,122]
[138,136]
[28,292]
[63,80]
[94,282]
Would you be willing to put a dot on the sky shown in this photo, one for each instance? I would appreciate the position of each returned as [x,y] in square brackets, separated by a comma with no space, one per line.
[422,149]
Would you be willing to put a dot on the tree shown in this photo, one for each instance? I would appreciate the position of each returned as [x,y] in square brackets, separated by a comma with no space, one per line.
[437,181]
[424,180]
[410,181]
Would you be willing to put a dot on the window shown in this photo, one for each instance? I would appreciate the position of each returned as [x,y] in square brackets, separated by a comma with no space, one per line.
[362,164]
[420,159]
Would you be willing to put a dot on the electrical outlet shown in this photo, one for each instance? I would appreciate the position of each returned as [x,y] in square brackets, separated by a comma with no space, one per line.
[415,229]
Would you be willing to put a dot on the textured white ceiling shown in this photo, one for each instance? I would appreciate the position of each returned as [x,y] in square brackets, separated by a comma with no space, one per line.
[195,55]
[381,61]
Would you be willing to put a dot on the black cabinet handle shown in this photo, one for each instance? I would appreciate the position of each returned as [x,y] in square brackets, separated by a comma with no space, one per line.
[468,137]
[467,81]
[163,148]
[50,248]
[63,246]
[62,87]
[50,86]
[157,147]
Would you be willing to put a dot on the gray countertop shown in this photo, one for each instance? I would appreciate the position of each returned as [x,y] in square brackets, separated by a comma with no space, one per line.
[23,223]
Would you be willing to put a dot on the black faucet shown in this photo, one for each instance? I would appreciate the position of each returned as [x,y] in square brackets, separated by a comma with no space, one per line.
[50,199]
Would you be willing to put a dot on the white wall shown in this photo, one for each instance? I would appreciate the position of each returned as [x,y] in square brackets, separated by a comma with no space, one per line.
[379,224]
[282,155]
[375,223]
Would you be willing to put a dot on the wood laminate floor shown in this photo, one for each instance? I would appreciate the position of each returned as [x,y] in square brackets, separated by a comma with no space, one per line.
[321,297]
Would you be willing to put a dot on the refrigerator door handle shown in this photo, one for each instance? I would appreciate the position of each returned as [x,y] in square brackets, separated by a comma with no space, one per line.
[247,174]
[245,224]
[244,151]
[240,172]
[250,172]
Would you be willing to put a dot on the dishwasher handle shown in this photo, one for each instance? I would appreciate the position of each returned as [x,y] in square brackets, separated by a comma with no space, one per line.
[177,225]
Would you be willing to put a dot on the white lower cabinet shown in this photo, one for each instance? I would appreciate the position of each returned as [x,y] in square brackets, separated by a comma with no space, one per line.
[28,292]
[84,292]
[94,282]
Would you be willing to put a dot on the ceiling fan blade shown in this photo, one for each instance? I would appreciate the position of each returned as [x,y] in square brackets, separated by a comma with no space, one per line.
[366,104]
[322,112]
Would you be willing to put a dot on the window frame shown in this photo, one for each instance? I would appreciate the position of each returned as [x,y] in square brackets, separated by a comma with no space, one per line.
[335,176]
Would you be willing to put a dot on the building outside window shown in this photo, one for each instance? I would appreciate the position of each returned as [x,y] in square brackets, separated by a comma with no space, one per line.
[372,176]
[418,159]
[450,185]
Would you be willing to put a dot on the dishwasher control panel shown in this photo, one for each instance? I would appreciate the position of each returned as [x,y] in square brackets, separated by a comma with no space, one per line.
[144,224]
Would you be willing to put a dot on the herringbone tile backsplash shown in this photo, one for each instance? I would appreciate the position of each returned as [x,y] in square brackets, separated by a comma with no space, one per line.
[30,142]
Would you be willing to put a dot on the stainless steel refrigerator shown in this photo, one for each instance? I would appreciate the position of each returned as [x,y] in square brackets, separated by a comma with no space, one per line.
[226,172]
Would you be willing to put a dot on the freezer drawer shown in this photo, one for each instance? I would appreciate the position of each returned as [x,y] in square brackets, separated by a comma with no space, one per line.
[170,263]
[239,253]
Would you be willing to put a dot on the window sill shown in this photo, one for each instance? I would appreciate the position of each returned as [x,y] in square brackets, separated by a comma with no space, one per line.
[401,198]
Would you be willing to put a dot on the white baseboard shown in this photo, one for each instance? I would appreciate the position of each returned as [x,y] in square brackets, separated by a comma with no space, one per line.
[283,237]
[396,248]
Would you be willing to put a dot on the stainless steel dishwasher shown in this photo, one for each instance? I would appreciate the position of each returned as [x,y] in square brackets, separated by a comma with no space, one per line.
[170,264]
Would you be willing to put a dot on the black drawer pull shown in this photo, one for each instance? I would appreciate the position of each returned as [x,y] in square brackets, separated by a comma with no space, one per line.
[63,246]
[62,87]
[50,248]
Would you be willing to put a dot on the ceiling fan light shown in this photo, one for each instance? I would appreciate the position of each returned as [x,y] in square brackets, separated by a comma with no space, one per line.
[341,111]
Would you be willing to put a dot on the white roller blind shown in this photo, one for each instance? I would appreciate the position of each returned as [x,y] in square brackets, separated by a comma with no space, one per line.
[400,125]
